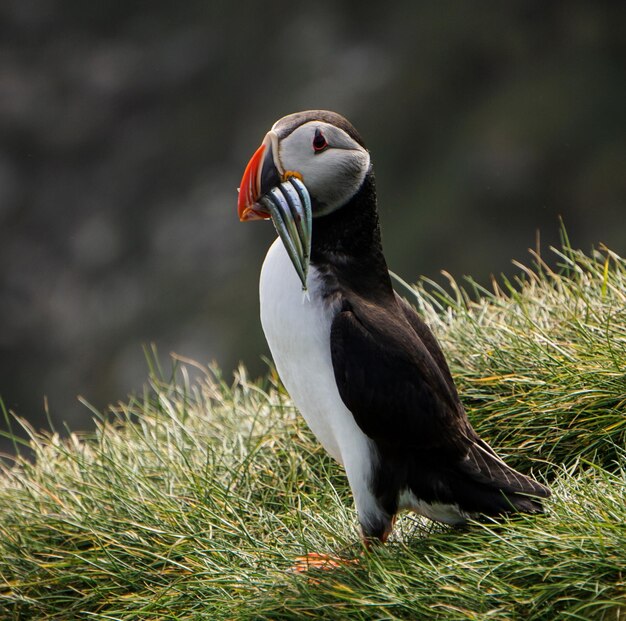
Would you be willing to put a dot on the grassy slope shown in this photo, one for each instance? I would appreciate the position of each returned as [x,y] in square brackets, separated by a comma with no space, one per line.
[192,501]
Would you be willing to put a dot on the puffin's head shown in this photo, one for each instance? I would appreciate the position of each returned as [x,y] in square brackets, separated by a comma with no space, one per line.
[321,150]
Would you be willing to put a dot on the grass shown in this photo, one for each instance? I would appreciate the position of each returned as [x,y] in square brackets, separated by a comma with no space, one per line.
[192,500]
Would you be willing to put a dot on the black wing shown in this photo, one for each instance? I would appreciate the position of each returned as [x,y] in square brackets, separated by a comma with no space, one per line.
[390,381]
[393,377]
[426,336]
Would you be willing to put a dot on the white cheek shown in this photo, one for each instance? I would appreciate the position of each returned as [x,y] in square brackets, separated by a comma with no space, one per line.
[334,176]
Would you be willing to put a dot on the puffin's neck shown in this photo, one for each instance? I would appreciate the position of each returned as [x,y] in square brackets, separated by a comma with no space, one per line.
[346,245]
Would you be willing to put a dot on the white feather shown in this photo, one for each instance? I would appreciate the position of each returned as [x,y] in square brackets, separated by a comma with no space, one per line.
[297,329]
[438,511]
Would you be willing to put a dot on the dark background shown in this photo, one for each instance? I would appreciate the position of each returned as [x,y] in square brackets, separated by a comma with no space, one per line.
[125,128]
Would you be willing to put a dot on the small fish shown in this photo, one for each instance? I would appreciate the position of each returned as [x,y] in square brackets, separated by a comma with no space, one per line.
[289,205]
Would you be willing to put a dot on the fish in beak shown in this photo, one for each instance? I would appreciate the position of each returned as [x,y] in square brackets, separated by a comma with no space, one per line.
[267,191]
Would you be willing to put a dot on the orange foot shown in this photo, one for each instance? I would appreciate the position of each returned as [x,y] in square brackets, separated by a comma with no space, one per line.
[313,560]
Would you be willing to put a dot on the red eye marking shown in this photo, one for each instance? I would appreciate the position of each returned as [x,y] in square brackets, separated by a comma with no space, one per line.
[319,141]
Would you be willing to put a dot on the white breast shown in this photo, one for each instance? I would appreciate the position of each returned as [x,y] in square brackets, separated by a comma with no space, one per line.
[297,329]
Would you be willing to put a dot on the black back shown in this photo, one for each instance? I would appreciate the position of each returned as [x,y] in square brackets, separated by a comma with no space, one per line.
[393,377]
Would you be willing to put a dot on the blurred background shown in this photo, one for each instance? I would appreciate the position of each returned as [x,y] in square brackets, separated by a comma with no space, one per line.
[125,127]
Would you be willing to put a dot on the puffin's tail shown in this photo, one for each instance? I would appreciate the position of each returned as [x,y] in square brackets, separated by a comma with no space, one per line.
[492,488]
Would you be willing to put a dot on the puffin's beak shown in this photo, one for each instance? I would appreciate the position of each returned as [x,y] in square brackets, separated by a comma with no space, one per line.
[250,190]
[288,204]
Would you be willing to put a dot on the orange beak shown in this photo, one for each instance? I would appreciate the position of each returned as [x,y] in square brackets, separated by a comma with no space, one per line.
[250,189]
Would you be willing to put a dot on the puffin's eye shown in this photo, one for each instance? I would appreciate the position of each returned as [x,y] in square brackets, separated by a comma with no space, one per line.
[319,141]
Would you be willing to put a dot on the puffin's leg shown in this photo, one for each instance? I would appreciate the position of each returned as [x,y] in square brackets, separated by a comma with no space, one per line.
[377,532]
[373,533]
[376,524]
[371,537]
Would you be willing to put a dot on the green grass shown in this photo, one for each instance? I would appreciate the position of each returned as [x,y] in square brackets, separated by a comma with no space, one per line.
[192,501]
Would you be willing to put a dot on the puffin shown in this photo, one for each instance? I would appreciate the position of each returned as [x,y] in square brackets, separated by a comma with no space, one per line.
[361,366]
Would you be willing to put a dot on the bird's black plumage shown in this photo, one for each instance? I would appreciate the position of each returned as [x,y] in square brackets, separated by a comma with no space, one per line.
[393,377]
